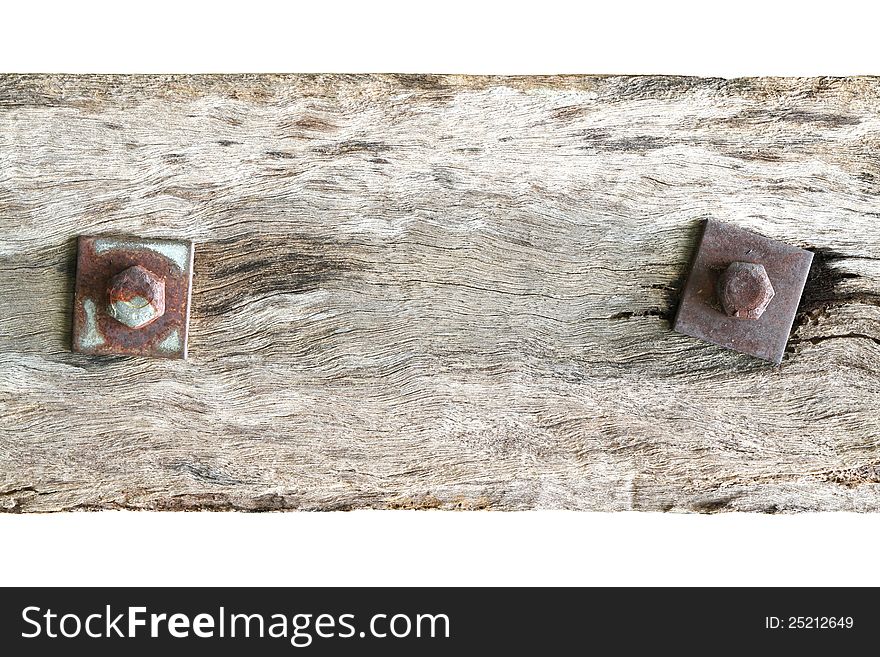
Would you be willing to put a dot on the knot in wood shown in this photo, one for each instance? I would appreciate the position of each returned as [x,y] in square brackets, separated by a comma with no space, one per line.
[745,290]
[137,297]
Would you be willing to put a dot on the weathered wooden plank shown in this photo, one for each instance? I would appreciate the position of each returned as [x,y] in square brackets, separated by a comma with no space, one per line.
[439,292]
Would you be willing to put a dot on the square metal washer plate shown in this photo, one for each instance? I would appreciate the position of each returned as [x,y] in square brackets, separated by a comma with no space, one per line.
[101,258]
[700,314]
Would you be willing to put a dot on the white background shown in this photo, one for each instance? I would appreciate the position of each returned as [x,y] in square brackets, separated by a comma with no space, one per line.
[440,548]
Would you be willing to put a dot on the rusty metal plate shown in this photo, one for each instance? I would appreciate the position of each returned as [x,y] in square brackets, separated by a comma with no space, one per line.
[743,291]
[132,296]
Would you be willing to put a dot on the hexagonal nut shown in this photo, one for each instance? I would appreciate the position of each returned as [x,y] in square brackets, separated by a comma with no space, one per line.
[137,297]
[744,290]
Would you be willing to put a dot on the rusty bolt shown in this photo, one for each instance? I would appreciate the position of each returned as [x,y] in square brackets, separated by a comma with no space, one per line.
[137,297]
[745,290]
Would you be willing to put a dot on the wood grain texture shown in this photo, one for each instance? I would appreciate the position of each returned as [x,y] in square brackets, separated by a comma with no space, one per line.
[439,292]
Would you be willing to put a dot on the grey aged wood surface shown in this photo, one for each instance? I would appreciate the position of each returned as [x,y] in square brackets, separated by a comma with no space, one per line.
[439,292]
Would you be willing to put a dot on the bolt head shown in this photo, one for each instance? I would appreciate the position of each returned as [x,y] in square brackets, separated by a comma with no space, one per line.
[137,297]
[745,290]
